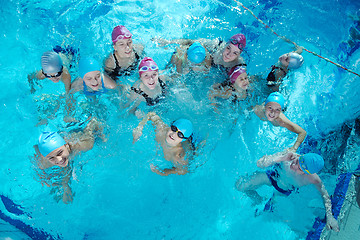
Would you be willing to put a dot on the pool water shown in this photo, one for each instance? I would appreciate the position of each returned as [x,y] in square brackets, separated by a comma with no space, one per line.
[116,194]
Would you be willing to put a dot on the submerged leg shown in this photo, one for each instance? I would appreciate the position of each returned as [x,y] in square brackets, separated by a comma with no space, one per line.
[249,185]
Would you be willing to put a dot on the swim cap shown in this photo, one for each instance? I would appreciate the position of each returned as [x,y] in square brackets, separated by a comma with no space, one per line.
[235,72]
[311,163]
[239,40]
[49,141]
[120,32]
[51,62]
[184,126]
[276,97]
[88,64]
[196,53]
[296,60]
[147,64]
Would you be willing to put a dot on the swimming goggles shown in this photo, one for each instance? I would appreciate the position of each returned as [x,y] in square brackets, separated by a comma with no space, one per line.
[146,68]
[176,130]
[303,165]
[53,76]
[237,69]
[123,36]
[238,44]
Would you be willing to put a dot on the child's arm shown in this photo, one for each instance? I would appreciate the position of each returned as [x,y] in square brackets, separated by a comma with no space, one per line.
[293,127]
[32,77]
[331,222]
[67,195]
[156,120]
[219,92]
[66,78]
[168,171]
[269,160]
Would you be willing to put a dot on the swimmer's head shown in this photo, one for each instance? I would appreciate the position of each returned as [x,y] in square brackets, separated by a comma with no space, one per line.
[120,32]
[196,53]
[184,128]
[51,63]
[311,163]
[147,65]
[87,65]
[235,72]
[296,60]
[238,40]
[50,141]
[277,98]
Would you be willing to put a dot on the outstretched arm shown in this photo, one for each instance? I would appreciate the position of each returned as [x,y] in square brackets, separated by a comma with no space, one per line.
[269,160]
[331,222]
[293,127]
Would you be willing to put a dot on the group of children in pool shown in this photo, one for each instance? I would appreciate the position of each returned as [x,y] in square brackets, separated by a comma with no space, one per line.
[289,171]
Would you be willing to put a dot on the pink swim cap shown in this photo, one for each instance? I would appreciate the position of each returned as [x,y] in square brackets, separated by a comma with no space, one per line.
[120,32]
[235,72]
[238,40]
[146,65]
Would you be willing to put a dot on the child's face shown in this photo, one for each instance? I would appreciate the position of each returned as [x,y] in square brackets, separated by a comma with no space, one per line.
[60,156]
[242,81]
[93,80]
[124,47]
[272,111]
[172,138]
[230,53]
[295,166]
[285,59]
[150,79]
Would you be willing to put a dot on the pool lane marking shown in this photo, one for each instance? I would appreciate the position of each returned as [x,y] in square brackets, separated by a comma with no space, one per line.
[289,41]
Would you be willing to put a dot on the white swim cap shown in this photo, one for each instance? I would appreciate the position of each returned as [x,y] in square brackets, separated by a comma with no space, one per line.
[296,60]
[51,62]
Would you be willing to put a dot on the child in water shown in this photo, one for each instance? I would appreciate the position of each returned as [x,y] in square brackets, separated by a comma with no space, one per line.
[271,111]
[191,57]
[290,171]
[53,69]
[223,54]
[288,61]
[237,87]
[55,154]
[92,81]
[174,140]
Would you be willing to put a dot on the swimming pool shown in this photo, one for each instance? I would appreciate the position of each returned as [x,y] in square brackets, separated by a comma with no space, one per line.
[116,194]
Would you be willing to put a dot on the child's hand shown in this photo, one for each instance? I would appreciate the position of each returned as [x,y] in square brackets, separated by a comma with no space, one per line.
[154,168]
[332,224]
[137,132]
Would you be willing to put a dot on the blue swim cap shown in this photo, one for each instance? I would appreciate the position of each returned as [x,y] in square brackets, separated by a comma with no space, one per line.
[296,60]
[88,64]
[196,53]
[311,163]
[51,62]
[276,97]
[49,141]
[184,126]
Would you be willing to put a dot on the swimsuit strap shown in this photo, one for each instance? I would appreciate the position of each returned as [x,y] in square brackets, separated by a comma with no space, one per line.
[271,79]
[163,86]
[272,174]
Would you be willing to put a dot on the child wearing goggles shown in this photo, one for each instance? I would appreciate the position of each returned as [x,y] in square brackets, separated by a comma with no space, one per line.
[151,87]
[53,69]
[174,140]
[126,55]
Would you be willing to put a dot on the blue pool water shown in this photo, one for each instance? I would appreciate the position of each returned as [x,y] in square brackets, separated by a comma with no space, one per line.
[116,194]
